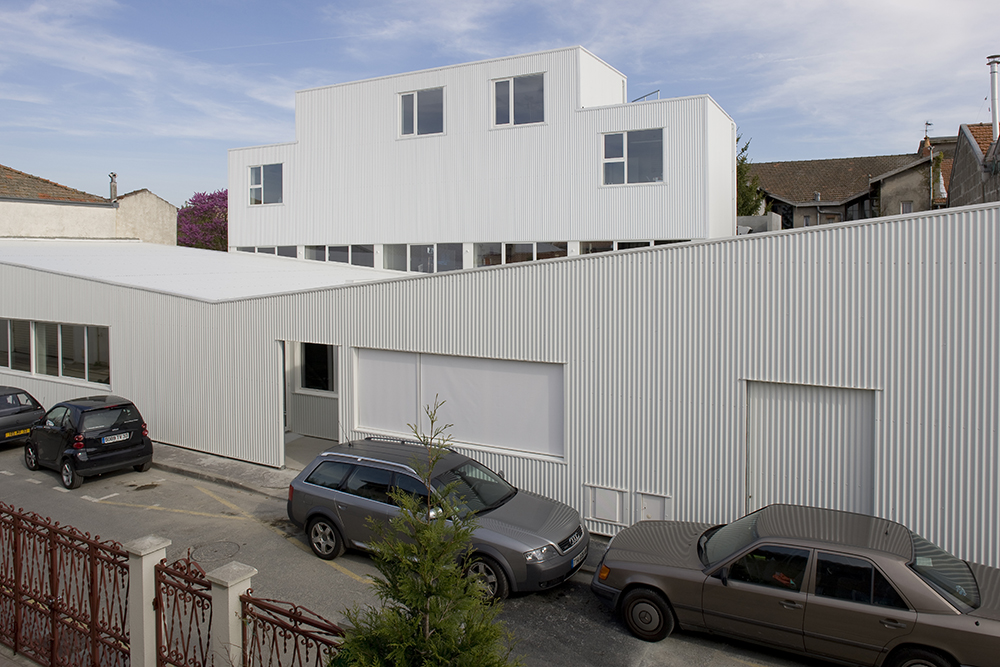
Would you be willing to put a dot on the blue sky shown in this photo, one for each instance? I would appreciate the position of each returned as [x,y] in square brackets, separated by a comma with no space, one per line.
[159,91]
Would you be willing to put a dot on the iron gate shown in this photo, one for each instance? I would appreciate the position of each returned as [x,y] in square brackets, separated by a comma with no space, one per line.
[63,594]
[280,634]
[183,615]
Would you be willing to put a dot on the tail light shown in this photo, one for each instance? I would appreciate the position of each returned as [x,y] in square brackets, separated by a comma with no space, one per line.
[289,493]
[145,431]
[78,442]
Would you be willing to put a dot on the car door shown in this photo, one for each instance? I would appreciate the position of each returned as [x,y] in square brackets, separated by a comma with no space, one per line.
[759,596]
[854,610]
[366,497]
[51,435]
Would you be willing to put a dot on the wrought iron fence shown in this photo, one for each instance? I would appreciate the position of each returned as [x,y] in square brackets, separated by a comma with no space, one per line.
[183,615]
[280,634]
[63,594]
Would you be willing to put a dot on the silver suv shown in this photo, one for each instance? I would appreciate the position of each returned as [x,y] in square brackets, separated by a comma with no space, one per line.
[524,542]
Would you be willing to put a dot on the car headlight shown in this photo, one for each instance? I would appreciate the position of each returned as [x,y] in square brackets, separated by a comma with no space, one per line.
[540,554]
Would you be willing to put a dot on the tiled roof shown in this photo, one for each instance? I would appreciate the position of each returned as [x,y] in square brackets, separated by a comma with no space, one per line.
[16,184]
[835,180]
[983,134]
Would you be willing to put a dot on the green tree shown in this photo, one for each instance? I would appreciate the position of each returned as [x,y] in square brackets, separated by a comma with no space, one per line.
[430,613]
[749,196]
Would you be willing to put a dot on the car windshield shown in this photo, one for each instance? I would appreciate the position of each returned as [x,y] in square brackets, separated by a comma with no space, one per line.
[946,573]
[102,420]
[476,488]
[719,543]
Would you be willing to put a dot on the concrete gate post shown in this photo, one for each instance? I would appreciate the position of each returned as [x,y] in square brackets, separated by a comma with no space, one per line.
[229,582]
[143,555]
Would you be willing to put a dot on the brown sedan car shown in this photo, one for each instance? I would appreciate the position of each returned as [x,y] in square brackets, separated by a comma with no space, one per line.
[846,587]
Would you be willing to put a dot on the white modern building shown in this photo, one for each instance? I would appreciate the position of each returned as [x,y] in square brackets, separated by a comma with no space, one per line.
[507,160]
[854,366]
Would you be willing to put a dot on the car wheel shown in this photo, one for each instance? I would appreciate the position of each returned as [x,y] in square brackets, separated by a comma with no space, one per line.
[492,575]
[325,539]
[70,478]
[919,657]
[30,456]
[647,614]
[142,467]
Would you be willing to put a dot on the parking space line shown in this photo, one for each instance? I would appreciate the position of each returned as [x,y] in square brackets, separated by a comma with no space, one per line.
[34,481]
[6,472]
[364,579]
[99,500]
[60,489]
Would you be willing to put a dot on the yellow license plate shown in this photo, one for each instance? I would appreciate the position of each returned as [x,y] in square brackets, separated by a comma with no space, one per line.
[11,434]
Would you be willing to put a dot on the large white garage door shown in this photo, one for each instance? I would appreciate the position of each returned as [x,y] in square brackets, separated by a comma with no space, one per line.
[811,446]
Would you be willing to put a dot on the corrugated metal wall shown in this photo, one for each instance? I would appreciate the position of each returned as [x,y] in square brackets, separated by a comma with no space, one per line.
[658,344]
[351,178]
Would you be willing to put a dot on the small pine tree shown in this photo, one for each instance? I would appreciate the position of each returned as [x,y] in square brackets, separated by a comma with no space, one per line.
[431,614]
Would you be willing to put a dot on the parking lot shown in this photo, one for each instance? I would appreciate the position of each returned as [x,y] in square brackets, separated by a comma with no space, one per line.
[207,515]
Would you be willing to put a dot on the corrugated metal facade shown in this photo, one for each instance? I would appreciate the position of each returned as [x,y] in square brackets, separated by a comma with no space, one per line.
[658,345]
[351,179]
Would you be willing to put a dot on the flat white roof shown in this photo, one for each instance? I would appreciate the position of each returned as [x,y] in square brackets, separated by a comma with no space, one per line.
[205,275]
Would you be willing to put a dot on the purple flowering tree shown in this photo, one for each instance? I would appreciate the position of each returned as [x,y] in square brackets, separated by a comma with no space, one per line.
[203,221]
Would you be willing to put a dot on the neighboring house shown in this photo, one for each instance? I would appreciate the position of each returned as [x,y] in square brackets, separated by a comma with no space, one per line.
[33,207]
[507,160]
[976,172]
[816,192]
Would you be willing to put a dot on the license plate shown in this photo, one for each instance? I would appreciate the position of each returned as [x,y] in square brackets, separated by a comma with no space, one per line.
[108,439]
[580,558]
[11,434]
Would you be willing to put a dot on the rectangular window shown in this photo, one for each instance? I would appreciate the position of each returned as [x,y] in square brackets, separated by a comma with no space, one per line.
[4,344]
[265,184]
[394,256]
[339,253]
[20,345]
[906,207]
[265,251]
[287,251]
[422,112]
[589,247]
[47,348]
[319,367]
[550,250]
[521,99]
[628,245]
[488,254]
[246,249]
[98,355]
[449,257]
[74,351]
[520,252]
[633,157]
[316,253]
[422,258]
[363,255]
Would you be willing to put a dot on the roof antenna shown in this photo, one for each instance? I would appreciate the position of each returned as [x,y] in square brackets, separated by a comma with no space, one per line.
[927,126]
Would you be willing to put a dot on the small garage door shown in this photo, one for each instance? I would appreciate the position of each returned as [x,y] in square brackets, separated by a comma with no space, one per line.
[811,446]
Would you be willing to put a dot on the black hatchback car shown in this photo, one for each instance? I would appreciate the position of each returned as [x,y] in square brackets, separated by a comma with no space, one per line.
[89,436]
[18,411]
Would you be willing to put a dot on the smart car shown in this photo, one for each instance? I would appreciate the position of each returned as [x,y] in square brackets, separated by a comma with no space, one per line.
[847,587]
[524,541]
[89,436]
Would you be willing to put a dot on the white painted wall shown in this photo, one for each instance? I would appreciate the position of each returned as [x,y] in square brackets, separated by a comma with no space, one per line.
[44,219]
[350,178]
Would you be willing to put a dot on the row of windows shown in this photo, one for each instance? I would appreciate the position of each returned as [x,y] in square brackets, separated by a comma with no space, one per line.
[518,100]
[72,351]
[441,257]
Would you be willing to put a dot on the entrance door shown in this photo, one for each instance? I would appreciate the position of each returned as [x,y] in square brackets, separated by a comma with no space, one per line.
[811,446]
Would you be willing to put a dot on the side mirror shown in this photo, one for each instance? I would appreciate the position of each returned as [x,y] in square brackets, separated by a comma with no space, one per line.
[502,476]
[724,575]
[435,512]
[48,422]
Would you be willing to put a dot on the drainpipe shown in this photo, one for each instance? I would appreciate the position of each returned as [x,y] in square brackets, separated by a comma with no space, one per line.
[993,61]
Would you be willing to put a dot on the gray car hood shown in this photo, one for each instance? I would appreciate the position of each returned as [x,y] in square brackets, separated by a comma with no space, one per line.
[988,579]
[532,519]
[667,543]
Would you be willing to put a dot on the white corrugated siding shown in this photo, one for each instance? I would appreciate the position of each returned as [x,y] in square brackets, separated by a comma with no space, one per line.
[658,346]
[350,178]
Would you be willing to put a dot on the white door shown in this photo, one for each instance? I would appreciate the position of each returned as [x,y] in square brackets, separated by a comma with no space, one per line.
[810,446]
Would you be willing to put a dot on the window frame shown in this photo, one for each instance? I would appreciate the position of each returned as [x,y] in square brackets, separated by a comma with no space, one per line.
[333,359]
[511,101]
[413,113]
[624,159]
[261,184]
[45,358]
